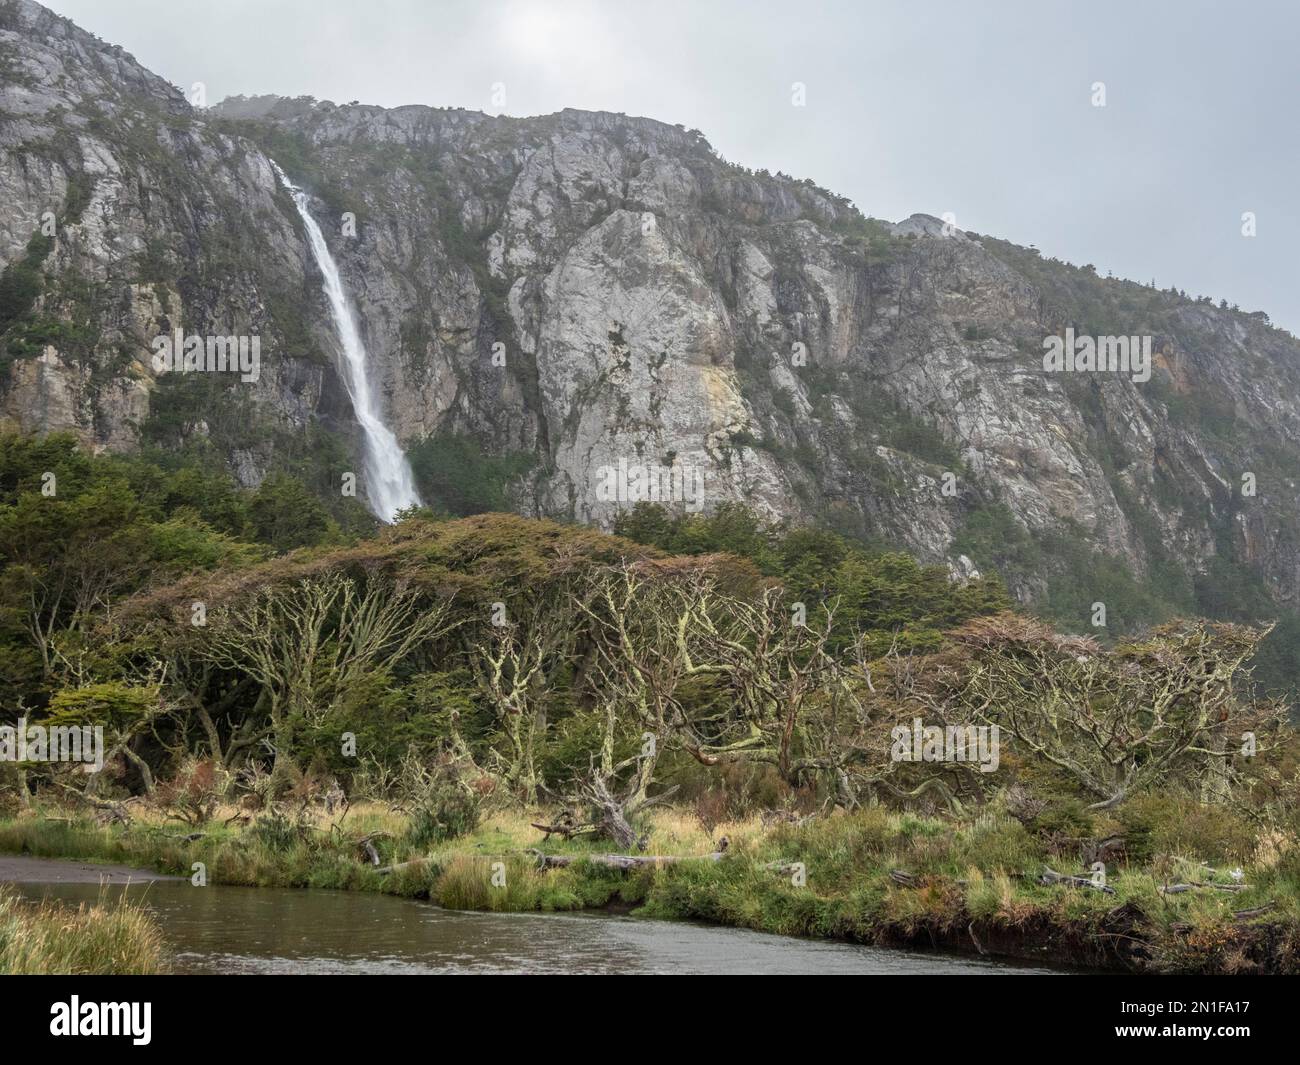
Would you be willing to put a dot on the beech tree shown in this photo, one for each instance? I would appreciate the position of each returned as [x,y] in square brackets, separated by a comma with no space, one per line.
[775,659]
[307,642]
[1171,708]
[511,663]
[635,612]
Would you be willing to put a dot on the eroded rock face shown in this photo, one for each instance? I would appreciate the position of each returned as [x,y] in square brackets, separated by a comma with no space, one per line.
[153,221]
[607,294]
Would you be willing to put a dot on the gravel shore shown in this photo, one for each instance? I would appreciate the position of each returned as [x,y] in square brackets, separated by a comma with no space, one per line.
[23,869]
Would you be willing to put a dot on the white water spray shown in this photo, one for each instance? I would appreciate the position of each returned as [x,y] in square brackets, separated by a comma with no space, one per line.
[389,483]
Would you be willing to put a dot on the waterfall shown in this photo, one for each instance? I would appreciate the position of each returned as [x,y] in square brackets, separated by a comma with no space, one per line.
[389,484]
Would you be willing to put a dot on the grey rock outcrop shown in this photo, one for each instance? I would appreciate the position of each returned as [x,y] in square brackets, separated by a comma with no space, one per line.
[605,292]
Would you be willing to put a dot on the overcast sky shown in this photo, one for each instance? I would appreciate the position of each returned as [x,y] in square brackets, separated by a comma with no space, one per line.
[982,109]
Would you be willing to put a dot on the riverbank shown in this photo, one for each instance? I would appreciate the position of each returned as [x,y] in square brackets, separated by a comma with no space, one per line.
[873,877]
[24,869]
[224,930]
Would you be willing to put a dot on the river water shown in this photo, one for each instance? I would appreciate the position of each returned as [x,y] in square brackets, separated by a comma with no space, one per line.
[218,929]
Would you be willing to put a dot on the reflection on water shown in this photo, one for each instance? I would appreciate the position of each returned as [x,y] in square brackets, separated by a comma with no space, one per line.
[268,930]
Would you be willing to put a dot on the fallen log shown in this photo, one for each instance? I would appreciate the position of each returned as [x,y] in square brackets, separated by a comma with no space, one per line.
[620,861]
[1178,889]
[642,861]
[610,861]
[1246,915]
[905,879]
[367,844]
[1050,877]
[402,865]
[563,831]
[785,868]
[106,812]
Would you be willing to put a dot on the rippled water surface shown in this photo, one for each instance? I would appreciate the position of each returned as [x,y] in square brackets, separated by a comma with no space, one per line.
[267,930]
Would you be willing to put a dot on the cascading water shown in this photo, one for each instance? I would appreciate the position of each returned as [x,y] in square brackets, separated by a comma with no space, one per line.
[389,483]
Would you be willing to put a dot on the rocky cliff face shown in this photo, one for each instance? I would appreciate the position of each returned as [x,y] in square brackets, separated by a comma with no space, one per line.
[122,218]
[606,293]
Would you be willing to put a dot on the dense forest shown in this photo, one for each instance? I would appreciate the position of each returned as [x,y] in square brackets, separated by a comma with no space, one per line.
[237,643]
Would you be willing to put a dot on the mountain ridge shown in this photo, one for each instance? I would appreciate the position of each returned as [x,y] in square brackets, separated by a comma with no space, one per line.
[655,305]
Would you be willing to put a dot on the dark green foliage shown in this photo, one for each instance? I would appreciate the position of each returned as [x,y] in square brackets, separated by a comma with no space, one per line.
[867,238]
[180,402]
[392,717]
[110,526]
[457,477]
[285,515]
[896,427]
[1077,575]
[21,283]
[732,528]
[1277,665]
[888,594]
[448,813]
[297,155]
[1065,817]
[275,832]
[1161,824]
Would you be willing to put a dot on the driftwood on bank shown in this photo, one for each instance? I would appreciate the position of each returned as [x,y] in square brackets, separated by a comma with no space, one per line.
[596,809]
[402,865]
[642,861]
[620,861]
[905,879]
[1183,928]
[367,844]
[1193,885]
[106,812]
[565,830]
[1050,877]
[608,861]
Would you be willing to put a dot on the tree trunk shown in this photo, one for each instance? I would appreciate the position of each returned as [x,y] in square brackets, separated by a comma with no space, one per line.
[210,731]
[146,774]
[282,769]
